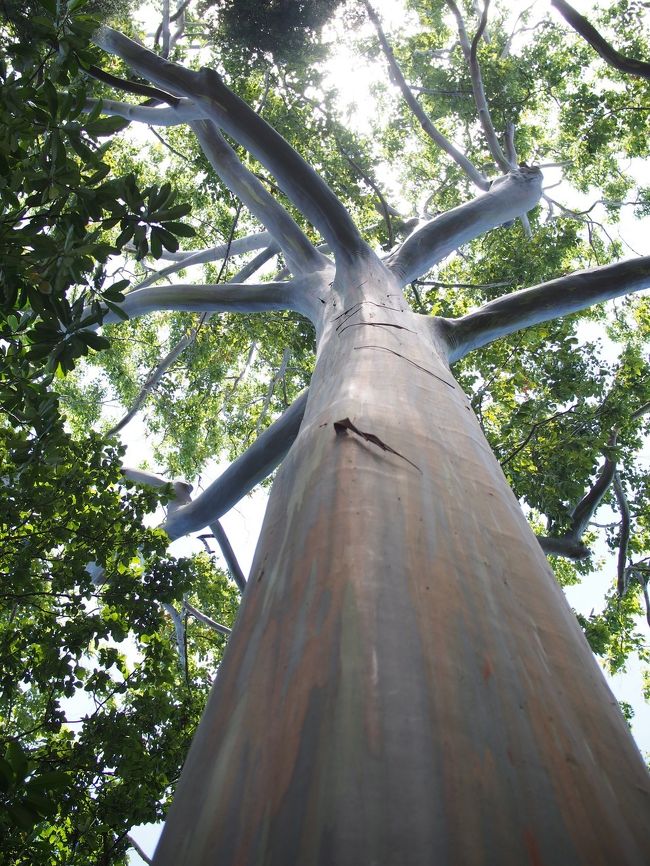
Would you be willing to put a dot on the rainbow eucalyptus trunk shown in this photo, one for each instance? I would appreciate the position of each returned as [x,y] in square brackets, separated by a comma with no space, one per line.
[406,683]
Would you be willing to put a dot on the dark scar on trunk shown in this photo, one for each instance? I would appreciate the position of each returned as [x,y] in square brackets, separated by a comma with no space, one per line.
[342,426]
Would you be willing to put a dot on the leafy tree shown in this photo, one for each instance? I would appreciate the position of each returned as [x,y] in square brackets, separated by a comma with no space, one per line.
[405,677]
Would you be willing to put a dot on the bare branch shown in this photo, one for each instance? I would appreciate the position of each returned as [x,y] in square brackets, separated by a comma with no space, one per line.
[179,630]
[567,546]
[434,134]
[560,297]
[628,65]
[141,853]
[586,508]
[263,456]
[152,380]
[507,198]
[183,111]
[218,298]
[297,178]
[204,618]
[132,86]
[198,257]
[228,554]
[298,250]
[165,28]
[624,536]
[470,52]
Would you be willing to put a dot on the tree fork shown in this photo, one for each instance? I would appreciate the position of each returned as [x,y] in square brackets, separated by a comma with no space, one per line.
[406,683]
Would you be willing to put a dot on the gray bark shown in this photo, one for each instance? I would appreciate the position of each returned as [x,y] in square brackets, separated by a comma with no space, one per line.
[569,294]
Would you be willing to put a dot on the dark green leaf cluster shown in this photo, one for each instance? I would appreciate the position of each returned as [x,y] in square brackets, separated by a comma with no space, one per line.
[282,29]
[58,205]
[96,713]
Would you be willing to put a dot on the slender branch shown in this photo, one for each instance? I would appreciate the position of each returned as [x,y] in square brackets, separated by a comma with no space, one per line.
[297,178]
[179,630]
[141,853]
[166,36]
[507,198]
[298,250]
[624,537]
[132,86]
[245,244]
[228,554]
[383,204]
[528,307]
[217,298]
[628,65]
[198,257]
[261,458]
[152,380]
[427,125]
[471,57]
[204,618]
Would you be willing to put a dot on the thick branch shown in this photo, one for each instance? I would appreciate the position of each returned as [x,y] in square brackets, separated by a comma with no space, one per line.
[263,456]
[629,65]
[298,250]
[228,554]
[434,134]
[547,301]
[567,546]
[183,111]
[198,257]
[217,298]
[507,198]
[298,180]
[586,508]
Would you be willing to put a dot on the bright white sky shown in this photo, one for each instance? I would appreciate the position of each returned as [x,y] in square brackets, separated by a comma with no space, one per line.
[244,521]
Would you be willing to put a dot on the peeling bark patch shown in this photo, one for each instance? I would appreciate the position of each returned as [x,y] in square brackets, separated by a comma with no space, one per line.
[345,424]
[424,369]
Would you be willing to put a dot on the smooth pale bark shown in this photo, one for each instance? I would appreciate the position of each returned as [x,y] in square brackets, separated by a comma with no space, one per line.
[297,179]
[508,197]
[218,298]
[254,465]
[406,683]
[470,52]
[569,294]
[424,120]
[168,115]
[299,252]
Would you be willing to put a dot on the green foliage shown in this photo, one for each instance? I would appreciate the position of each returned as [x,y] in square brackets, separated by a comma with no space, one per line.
[96,713]
[96,709]
[281,28]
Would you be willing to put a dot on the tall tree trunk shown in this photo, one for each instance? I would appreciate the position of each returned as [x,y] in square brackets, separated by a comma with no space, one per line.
[406,683]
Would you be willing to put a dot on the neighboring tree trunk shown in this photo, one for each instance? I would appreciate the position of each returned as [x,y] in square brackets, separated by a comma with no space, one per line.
[406,683]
